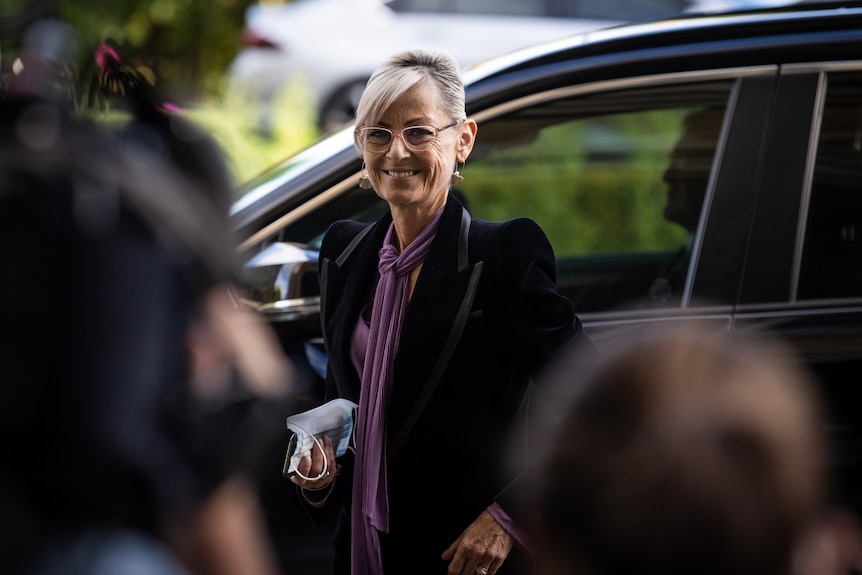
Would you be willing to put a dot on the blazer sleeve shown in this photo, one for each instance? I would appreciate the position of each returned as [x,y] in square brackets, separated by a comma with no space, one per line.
[541,323]
[319,506]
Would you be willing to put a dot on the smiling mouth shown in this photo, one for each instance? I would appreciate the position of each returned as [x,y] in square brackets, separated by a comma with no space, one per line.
[402,174]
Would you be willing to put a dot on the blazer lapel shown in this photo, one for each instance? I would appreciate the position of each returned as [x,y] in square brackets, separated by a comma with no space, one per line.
[350,283]
[434,322]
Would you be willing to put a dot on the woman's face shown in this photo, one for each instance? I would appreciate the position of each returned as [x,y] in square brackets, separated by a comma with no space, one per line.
[420,180]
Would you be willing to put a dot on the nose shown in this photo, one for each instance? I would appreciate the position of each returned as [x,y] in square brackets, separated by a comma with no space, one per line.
[398,147]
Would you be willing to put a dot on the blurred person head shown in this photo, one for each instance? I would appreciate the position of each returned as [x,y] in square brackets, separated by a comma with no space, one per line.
[412,130]
[687,174]
[120,332]
[681,453]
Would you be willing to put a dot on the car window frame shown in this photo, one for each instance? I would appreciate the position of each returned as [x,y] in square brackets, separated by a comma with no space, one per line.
[768,288]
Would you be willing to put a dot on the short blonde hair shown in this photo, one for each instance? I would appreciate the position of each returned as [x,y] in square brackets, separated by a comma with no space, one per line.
[404,71]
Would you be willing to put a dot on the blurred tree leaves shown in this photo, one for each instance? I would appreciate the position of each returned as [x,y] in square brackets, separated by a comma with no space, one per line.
[185,45]
[183,48]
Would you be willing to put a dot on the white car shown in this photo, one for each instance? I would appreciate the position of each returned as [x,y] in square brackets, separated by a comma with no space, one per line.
[334,45]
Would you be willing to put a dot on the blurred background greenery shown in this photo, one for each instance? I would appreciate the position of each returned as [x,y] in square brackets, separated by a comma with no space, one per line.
[184,48]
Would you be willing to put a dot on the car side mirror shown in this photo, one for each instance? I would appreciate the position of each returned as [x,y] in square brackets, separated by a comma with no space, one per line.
[281,282]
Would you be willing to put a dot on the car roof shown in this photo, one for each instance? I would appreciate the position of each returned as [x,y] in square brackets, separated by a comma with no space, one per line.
[612,52]
[760,24]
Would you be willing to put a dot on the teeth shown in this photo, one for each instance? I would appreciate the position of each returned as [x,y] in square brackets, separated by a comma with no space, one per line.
[401,174]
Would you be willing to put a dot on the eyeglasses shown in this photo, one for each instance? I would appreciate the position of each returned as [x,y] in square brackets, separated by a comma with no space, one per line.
[417,138]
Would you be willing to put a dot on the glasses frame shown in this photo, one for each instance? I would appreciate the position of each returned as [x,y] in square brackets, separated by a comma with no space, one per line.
[392,133]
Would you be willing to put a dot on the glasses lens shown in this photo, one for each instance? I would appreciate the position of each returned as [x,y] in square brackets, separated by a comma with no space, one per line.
[376,138]
[419,137]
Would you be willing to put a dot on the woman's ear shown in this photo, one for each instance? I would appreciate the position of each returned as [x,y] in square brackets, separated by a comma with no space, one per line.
[466,140]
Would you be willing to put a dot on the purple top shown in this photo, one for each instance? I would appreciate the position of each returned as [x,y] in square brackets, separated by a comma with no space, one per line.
[359,343]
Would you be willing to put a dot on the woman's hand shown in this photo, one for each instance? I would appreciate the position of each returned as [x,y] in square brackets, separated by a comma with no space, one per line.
[313,466]
[482,548]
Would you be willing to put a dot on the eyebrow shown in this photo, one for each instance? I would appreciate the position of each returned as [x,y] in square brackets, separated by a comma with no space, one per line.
[420,121]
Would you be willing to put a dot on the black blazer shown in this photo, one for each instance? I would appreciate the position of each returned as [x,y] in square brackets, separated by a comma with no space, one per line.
[485,316]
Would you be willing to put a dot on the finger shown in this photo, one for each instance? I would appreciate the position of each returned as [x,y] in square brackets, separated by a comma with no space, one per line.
[471,557]
[493,561]
[322,463]
[302,469]
[318,460]
[460,561]
[328,453]
[458,566]
[450,551]
[304,464]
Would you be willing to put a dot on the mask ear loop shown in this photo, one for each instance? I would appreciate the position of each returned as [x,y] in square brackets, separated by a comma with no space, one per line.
[325,461]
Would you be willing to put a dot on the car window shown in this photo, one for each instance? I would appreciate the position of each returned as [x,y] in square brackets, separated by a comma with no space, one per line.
[616,180]
[832,250]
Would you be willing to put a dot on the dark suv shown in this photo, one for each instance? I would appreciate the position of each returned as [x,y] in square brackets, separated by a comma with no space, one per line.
[703,168]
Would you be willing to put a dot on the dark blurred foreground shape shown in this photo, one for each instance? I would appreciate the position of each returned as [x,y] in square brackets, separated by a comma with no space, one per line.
[680,453]
[137,400]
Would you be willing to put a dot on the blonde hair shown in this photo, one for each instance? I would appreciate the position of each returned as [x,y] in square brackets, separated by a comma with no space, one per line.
[404,71]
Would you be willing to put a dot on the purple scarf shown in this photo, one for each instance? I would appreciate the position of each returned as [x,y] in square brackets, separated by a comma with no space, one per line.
[370,512]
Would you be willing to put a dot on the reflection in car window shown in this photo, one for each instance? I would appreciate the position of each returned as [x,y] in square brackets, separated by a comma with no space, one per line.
[832,251]
[616,180]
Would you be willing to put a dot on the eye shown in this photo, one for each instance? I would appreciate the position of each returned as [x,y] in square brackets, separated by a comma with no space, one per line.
[419,133]
[378,135]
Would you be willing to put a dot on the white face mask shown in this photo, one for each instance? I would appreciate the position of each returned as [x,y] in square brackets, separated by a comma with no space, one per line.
[334,419]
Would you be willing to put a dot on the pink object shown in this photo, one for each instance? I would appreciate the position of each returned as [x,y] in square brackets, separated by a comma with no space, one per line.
[102,54]
[167,106]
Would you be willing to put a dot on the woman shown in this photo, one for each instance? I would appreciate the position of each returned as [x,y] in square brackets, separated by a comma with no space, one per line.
[434,324]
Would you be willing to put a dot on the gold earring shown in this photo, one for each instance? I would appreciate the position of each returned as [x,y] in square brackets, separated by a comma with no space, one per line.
[457,179]
[364,181]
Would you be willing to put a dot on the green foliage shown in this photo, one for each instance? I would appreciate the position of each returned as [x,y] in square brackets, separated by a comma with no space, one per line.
[233,122]
[183,48]
[595,186]
[187,44]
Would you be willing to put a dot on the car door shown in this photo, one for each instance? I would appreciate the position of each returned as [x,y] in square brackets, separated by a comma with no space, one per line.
[803,277]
